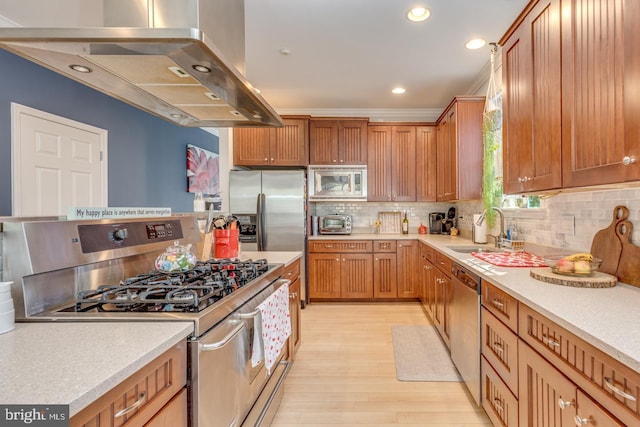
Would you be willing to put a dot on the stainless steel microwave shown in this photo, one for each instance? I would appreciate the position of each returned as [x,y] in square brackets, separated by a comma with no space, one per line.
[337,183]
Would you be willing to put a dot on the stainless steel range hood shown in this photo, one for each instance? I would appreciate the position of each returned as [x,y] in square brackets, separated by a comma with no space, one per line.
[155,55]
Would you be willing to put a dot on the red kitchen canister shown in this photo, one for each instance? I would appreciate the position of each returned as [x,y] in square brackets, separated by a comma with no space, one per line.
[225,243]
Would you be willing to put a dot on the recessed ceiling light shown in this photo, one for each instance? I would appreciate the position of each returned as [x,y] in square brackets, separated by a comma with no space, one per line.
[398,90]
[418,14]
[80,68]
[285,52]
[475,44]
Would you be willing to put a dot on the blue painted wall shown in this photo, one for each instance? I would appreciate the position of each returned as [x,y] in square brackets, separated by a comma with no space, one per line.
[147,155]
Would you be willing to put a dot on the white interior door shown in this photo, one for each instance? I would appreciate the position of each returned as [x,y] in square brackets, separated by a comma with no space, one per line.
[57,163]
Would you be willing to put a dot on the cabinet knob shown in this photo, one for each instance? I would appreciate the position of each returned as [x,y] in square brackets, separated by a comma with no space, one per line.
[334,160]
[628,160]
[337,259]
[266,159]
[563,404]
[272,159]
[343,260]
[581,421]
[389,196]
[341,161]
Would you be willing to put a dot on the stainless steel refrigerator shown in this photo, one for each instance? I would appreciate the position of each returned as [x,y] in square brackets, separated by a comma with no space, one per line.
[271,209]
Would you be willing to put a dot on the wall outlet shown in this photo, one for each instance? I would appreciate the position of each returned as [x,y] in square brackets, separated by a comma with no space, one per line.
[567,225]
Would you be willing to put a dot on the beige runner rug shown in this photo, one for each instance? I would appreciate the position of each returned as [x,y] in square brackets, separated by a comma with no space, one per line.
[420,354]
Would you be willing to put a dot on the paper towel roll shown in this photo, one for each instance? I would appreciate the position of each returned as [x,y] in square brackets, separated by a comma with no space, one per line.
[479,232]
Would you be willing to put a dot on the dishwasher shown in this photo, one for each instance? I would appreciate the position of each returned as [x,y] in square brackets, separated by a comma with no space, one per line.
[465,327]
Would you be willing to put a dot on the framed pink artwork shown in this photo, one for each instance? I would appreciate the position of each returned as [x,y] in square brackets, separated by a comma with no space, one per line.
[203,171]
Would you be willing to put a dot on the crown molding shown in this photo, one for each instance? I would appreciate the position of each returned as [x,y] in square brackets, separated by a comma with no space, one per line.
[374,114]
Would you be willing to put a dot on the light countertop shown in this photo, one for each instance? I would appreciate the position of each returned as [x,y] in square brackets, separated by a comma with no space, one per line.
[74,363]
[607,318]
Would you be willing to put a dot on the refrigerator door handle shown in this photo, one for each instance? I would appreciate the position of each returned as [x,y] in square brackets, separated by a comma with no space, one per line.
[261,222]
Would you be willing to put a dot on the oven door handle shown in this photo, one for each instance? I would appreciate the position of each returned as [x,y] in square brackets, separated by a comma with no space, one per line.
[224,341]
[249,315]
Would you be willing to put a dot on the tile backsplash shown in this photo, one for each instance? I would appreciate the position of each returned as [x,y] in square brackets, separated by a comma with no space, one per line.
[566,220]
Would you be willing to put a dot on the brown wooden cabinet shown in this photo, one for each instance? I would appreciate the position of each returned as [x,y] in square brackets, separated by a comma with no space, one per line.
[460,150]
[571,98]
[385,269]
[155,395]
[600,92]
[408,252]
[426,158]
[340,269]
[292,272]
[532,102]
[391,163]
[337,141]
[428,279]
[285,146]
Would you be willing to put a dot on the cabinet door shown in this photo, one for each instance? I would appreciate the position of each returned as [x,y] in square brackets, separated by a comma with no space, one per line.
[541,389]
[324,275]
[408,253]
[379,164]
[251,146]
[497,400]
[352,142]
[600,94]
[174,414]
[532,102]
[323,142]
[441,308]
[590,413]
[428,277]
[290,144]
[384,275]
[403,163]
[356,276]
[447,167]
[294,313]
[426,163]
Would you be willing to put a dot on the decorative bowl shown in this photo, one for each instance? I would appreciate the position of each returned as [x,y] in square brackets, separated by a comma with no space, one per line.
[560,265]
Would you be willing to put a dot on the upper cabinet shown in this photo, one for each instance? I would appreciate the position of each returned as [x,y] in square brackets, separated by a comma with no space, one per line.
[285,146]
[391,164]
[338,141]
[600,92]
[571,79]
[532,102]
[460,150]
[426,163]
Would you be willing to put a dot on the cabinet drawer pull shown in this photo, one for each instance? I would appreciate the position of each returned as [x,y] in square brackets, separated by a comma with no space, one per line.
[133,406]
[609,383]
[498,347]
[498,403]
[581,421]
[548,341]
[563,404]
[497,303]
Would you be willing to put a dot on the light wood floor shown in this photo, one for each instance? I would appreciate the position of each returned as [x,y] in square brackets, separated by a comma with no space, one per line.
[344,374]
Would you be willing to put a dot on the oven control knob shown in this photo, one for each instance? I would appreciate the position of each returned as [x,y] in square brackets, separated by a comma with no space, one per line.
[120,234]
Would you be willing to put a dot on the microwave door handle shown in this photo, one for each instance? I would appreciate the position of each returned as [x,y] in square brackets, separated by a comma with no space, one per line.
[261,222]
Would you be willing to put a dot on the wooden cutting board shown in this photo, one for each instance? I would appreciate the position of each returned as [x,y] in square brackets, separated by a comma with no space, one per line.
[606,244]
[629,265]
[597,280]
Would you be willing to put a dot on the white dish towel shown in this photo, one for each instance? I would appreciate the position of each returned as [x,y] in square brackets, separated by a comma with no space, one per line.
[275,324]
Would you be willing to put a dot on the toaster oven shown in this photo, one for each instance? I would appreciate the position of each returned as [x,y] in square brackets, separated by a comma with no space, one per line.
[334,224]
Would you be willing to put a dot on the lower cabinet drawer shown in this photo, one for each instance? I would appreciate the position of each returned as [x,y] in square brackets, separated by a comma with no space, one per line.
[497,400]
[500,348]
[136,400]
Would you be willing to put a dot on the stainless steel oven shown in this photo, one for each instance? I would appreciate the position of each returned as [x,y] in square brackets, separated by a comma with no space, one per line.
[103,270]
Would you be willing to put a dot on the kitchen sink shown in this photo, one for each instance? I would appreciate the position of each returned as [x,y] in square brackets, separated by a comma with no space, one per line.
[469,249]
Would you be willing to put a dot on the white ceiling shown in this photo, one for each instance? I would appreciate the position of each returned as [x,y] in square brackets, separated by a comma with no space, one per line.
[347,55]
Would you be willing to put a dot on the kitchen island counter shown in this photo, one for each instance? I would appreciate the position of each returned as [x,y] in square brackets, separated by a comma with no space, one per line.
[607,318]
[74,363]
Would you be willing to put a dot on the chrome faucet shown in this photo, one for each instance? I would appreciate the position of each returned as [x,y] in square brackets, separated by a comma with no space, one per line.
[500,236]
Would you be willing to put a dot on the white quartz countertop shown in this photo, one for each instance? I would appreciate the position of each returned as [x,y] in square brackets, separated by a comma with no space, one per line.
[274,257]
[607,318]
[74,363]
